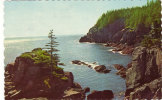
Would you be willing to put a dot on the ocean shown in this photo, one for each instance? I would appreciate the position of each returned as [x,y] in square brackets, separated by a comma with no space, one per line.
[71,49]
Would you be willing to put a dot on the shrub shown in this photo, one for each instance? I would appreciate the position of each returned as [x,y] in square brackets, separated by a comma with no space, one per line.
[38,55]
[26,55]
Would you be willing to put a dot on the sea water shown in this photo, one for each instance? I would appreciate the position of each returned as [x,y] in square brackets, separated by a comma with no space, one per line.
[71,49]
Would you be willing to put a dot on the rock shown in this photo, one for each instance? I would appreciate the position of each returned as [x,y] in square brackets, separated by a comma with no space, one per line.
[39,98]
[70,77]
[78,62]
[106,71]
[100,95]
[84,39]
[89,66]
[121,70]
[76,85]
[129,65]
[61,64]
[143,78]
[122,74]
[100,68]
[157,94]
[10,68]
[94,63]
[127,50]
[73,94]
[86,89]
[118,67]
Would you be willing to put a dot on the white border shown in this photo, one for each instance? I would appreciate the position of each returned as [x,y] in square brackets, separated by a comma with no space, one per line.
[1,50]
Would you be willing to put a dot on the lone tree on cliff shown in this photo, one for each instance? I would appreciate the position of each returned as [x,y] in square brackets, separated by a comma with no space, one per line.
[52,50]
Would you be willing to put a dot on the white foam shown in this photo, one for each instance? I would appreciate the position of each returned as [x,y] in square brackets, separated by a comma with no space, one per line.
[112,50]
[88,63]
[91,64]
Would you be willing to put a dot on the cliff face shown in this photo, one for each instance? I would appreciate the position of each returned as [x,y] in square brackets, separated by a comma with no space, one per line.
[143,78]
[26,79]
[115,33]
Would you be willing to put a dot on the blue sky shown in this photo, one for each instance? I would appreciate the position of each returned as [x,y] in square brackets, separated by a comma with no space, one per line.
[36,18]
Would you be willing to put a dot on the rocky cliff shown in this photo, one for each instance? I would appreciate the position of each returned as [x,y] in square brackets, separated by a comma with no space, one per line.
[26,78]
[115,32]
[143,78]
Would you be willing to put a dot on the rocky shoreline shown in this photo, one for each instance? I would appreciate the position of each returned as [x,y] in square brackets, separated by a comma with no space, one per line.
[143,74]
[121,48]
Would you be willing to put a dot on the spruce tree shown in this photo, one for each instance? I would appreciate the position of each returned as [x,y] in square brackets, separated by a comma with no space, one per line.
[52,50]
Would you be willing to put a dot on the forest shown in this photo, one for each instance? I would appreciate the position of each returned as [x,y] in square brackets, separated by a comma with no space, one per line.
[145,15]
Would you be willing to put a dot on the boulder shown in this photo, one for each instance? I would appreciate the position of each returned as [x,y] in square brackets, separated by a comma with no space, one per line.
[61,64]
[86,89]
[76,85]
[78,62]
[100,95]
[100,68]
[106,71]
[129,65]
[121,70]
[73,94]
[118,67]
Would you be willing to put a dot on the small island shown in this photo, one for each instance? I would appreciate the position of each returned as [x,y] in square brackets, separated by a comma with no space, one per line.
[30,77]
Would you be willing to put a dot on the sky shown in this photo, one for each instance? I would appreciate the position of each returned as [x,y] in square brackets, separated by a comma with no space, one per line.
[37,18]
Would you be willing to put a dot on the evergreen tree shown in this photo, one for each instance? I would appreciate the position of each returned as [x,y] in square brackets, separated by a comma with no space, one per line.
[134,16]
[52,50]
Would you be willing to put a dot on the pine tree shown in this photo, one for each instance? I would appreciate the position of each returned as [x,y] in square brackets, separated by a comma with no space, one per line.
[52,50]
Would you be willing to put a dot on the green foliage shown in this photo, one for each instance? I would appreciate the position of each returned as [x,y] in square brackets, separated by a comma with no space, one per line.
[150,42]
[26,55]
[41,56]
[133,16]
[153,38]
[147,41]
[38,55]
[58,69]
[46,82]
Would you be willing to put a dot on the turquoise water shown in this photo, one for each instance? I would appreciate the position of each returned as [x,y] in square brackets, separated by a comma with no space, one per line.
[71,49]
